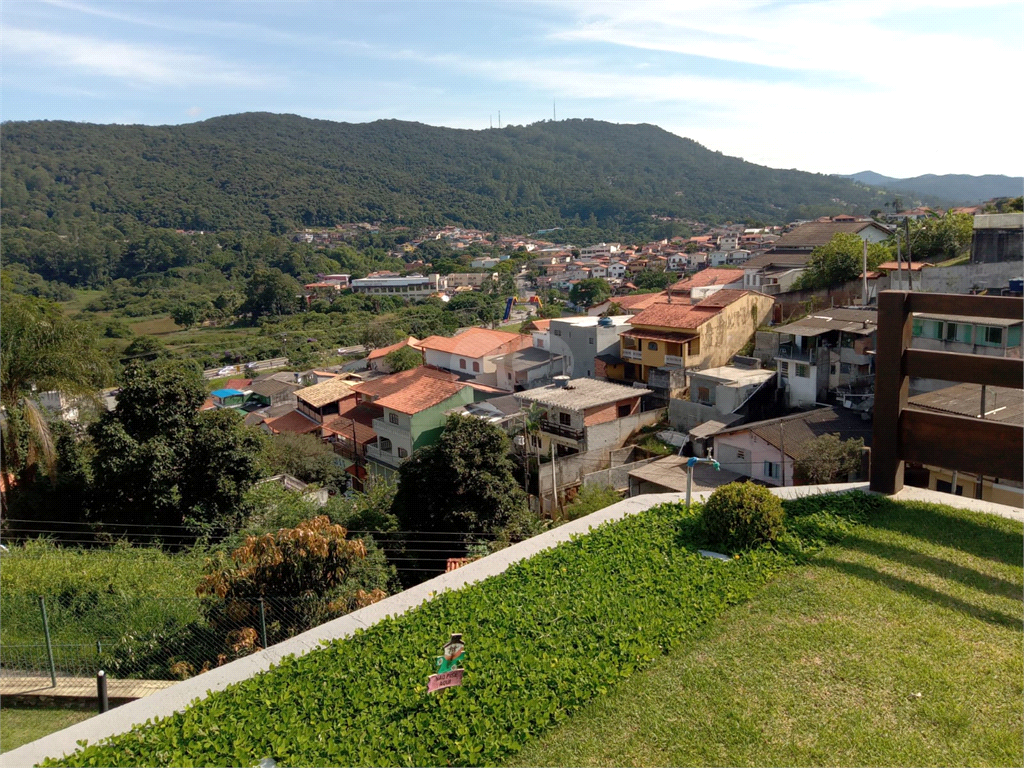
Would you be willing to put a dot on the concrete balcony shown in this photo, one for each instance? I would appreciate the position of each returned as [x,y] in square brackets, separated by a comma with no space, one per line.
[673,361]
[632,354]
[383,457]
[561,430]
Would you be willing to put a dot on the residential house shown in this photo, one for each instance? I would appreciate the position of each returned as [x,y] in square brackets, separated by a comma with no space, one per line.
[413,417]
[228,398]
[900,276]
[377,358]
[601,249]
[992,403]
[318,496]
[470,279]
[484,262]
[690,288]
[322,400]
[617,270]
[472,353]
[413,286]
[717,394]
[767,451]
[350,436]
[629,305]
[669,475]
[273,392]
[527,368]
[776,270]
[723,258]
[584,415]
[829,351]
[579,340]
[967,335]
[678,262]
[683,336]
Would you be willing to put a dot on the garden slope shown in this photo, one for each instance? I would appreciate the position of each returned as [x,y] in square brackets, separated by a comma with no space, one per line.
[543,638]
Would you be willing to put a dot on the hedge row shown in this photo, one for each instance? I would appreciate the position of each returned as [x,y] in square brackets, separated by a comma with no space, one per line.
[542,640]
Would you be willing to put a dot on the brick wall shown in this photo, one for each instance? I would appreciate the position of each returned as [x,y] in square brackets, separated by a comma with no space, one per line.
[605,413]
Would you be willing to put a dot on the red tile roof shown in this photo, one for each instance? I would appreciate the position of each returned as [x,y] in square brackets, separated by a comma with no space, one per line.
[293,421]
[412,341]
[388,385]
[916,266]
[708,277]
[687,315]
[641,301]
[474,342]
[237,384]
[420,395]
[340,425]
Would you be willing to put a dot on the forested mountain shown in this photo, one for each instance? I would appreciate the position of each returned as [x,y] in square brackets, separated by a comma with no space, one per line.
[956,188]
[269,173]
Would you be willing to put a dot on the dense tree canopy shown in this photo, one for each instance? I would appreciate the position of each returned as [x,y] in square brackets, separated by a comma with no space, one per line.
[841,260]
[587,293]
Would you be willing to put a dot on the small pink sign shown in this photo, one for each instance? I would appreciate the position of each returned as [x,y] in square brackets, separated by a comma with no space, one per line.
[445,680]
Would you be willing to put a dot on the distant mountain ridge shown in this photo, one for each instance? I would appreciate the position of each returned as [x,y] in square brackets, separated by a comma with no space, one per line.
[270,172]
[955,188]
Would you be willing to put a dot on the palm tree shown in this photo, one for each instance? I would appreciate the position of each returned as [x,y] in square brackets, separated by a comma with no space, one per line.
[40,350]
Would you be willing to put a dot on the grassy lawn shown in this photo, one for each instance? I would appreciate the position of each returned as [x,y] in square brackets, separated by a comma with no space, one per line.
[155,326]
[900,646]
[20,725]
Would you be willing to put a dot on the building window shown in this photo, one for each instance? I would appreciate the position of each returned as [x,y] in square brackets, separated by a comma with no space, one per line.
[784,369]
[991,336]
[844,367]
[462,363]
[476,367]
[652,345]
[557,332]
[540,343]
[509,376]
[803,371]
[564,418]
[624,410]
[402,453]
[833,368]
[591,340]
[704,395]
[393,418]
[741,454]
[384,444]
[772,469]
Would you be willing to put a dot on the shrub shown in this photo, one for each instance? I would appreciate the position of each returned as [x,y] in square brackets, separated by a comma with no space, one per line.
[741,515]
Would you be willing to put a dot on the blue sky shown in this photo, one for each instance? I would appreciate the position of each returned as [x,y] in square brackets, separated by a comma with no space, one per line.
[835,86]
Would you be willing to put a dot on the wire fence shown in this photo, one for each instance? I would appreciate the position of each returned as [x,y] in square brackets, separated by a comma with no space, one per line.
[55,645]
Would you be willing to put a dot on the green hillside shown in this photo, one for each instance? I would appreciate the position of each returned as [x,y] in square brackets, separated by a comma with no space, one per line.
[269,173]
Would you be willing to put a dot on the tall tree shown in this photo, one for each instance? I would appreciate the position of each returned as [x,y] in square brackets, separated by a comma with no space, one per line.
[41,350]
[841,260]
[271,292]
[591,291]
[161,462]
[464,485]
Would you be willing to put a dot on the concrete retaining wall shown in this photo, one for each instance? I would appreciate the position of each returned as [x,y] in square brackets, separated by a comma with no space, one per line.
[616,477]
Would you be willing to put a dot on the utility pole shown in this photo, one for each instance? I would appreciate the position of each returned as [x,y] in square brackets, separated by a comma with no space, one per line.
[864,289]
[910,256]
[899,260]
[782,449]
[554,481]
[499,119]
[554,111]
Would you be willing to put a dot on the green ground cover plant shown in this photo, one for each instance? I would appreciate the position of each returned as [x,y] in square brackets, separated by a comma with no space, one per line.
[544,639]
[901,645]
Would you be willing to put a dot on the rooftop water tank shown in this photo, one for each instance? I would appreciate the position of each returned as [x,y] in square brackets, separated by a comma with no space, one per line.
[606,322]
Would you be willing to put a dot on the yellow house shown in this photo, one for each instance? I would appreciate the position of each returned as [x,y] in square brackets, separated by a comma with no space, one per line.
[682,335]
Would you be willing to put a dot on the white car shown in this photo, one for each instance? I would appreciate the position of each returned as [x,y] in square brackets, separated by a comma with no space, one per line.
[226,370]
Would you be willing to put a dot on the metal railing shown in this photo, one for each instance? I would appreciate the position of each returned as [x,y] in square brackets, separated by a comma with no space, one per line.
[958,443]
[561,430]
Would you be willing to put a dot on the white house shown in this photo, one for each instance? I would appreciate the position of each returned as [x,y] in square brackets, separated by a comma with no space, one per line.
[617,270]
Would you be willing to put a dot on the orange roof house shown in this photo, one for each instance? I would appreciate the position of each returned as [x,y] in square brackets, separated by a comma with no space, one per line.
[472,352]
[688,336]
[376,357]
[704,278]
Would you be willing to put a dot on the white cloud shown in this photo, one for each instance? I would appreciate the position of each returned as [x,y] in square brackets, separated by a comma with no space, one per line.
[139,64]
[193,111]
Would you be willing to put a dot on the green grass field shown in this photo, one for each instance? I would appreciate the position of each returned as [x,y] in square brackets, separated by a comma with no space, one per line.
[20,725]
[901,646]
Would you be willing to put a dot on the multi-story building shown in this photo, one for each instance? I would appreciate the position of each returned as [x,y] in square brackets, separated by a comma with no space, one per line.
[411,286]
[470,279]
[472,353]
[967,335]
[830,351]
[689,336]
[579,340]
[581,415]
